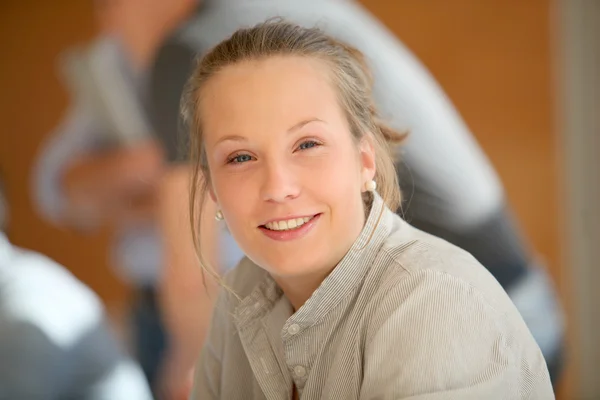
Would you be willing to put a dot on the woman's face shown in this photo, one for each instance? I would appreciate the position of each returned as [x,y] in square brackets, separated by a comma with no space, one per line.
[285,170]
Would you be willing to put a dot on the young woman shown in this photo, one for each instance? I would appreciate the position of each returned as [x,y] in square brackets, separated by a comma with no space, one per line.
[338,297]
[451,188]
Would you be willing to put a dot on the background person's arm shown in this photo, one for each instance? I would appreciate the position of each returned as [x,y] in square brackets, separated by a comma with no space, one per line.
[78,183]
[83,174]
[113,186]
[186,294]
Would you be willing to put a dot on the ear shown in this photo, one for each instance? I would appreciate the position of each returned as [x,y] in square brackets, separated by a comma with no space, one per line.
[367,158]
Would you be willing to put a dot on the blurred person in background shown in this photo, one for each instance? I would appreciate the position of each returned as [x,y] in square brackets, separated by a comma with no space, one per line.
[55,340]
[450,188]
[463,202]
[101,166]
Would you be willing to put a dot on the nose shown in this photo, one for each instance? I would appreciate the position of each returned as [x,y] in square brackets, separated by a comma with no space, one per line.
[280,182]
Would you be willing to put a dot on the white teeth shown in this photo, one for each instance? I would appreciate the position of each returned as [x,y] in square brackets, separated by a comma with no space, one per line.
[288,224]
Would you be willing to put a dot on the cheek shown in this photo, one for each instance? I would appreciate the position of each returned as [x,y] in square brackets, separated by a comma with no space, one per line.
[235,194]
[335,178]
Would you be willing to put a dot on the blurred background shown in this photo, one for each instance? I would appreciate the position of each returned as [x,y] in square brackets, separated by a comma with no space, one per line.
[523,74]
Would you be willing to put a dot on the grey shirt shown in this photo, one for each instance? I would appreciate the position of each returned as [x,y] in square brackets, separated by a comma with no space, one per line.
[404,315]
[55,342]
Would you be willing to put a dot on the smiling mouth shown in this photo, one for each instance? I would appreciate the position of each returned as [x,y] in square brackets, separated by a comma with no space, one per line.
[288,224]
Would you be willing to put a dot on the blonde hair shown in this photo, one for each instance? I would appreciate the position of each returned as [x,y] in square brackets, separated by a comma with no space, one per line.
[352,80]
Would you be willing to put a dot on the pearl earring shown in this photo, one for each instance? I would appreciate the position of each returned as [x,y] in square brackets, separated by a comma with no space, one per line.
[219,216]
[371,186]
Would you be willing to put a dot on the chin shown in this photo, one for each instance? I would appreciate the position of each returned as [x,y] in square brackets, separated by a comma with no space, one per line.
[289,266]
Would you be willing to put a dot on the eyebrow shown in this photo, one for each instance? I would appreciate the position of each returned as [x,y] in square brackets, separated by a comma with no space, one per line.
[294,128]
[301,124]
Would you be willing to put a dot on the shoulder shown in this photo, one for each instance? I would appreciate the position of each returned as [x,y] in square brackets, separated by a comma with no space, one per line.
[411,255]
[27,355]
[39,292]
[437,309]
[440,323]
[417,272]
[239,282]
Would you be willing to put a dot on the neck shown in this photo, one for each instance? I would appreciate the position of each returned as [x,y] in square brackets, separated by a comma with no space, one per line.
[143,37]
[298,289]
[141,47]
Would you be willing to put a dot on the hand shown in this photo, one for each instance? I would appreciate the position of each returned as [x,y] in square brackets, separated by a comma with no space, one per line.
[118,185]
[136,209]
[176,379]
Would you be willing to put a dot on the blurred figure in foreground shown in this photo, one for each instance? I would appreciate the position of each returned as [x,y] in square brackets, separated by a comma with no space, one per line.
[55,340]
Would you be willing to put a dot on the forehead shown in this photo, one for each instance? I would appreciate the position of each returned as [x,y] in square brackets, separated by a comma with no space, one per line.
[273,93]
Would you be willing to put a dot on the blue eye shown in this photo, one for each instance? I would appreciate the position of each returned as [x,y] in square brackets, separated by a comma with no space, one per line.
[308,145]
[240,158]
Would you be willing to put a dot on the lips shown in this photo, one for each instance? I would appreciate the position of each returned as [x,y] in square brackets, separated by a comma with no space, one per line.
[287,224]
[289,229]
